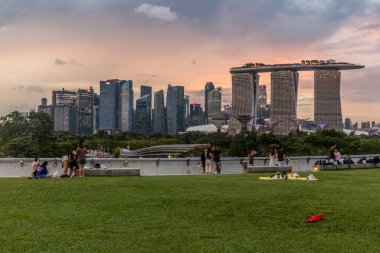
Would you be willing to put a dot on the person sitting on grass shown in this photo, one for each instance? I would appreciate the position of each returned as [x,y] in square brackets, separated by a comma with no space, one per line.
[43,171]
[35,165]
[65,165]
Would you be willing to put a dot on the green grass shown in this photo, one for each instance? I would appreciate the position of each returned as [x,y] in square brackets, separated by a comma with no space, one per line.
[205,213]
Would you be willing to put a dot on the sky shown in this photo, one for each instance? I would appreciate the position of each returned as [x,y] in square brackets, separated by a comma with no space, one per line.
[52,44]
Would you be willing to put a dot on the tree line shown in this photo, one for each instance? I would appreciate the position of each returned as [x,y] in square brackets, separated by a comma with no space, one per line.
[32,136]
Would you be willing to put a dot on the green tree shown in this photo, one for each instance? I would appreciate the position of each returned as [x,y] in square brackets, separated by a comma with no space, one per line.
[13,125]
[41,129]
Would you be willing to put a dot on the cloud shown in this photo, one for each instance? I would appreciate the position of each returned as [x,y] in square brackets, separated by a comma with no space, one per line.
[373,26]
[74,62]
[60,62]
[30,89]
[148,75]
[156,12]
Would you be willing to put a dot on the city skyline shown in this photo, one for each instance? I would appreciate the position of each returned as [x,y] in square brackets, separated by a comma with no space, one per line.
[183,43]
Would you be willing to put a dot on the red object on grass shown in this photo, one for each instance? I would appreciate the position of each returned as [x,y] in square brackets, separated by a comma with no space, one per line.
[315,218]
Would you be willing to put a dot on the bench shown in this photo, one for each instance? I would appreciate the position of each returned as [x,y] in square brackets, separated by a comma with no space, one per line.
[115,172]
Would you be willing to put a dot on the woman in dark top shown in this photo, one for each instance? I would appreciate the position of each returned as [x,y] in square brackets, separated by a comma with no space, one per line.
[73,164]
[216,158]
[203,159]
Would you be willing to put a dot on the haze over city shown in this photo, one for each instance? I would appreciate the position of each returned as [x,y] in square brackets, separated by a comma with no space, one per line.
[49,45]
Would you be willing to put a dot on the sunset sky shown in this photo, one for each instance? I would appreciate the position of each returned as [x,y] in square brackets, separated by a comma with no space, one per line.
[51,44]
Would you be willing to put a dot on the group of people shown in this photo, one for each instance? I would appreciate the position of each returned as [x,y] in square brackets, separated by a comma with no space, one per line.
[276,157]
[211,158]
[74,161]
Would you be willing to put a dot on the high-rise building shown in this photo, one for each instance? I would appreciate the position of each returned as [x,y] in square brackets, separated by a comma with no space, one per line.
[175,107]
[64,97]
[126,105]
[44,102]
[95,112]
[365,125]
[145,90]
[214,103]
[195,114]
[109,107]
[187,111]
[263,109]
[65,119]
[327,106]
[159,112]
[245,87]
[64,110]
[143,114]
[284,89]
[44,107]
[347,123]
[355,126]
[208,87]
[85,106]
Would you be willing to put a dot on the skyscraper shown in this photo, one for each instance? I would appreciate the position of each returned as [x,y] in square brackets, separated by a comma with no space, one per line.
[195,114]
[263,109]
[187,111]
[214,103]
[109,108]
[64,97]
[366,125]
[85,106]
[208,87]
[175,106]
[65,119]
[143,114]
[64,110]
[126,105]
[327,106]
[44,107]
[44,102]
[145,90]
[245,87]
[284,90]
[95,112]
[347,123]
[159,112]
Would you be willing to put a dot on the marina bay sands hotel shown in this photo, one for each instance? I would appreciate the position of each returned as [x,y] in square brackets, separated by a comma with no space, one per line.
[284,92]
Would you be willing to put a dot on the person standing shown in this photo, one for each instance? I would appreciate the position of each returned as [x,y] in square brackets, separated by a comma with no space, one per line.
[281,156]
[272,158]
[251,155]
[73,163]
[337,157]
[332,154]
[216,158]
[203,160]
[208,163]
[81,153]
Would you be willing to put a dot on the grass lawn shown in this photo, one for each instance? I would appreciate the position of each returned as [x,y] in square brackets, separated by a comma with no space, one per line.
[204,213]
